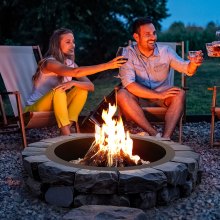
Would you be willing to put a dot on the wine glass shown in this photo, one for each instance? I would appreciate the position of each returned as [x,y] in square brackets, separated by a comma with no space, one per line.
[216,44]
[122,51]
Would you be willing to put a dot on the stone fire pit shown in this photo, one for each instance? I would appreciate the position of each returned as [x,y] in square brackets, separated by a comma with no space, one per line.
[172,173]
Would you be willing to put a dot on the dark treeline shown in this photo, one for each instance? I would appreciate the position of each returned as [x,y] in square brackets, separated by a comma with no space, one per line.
[196,36]
[99,26]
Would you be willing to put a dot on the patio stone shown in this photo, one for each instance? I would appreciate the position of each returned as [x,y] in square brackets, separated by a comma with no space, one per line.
[51,172]
[40,144]
[34,186]
[60,196]
[192,166]
[31,165]
[188,154]
[57,139]
[96,181]
[33,151]
[91,212]
[168,194]
[177,146]
[187,188]
[141,180]
[104,199]
[176,173]
[144,200]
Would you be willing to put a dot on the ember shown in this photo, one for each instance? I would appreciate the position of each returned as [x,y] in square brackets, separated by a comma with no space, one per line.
[112,146]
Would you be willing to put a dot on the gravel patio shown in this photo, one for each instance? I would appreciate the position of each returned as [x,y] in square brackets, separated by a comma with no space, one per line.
[18,203]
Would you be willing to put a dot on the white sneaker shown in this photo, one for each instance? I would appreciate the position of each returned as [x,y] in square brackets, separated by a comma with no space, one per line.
[158,135]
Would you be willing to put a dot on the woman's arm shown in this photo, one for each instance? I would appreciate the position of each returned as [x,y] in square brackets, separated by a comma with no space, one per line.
[87,83]
[84,83]
[64,70]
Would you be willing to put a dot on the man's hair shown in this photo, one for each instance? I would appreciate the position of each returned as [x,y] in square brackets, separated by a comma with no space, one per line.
[140,21]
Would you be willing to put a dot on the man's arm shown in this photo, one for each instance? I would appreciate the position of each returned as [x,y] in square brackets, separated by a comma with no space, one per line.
[188,67]
[143,92]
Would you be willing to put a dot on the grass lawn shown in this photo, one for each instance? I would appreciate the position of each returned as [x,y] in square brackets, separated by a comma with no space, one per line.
[198,97]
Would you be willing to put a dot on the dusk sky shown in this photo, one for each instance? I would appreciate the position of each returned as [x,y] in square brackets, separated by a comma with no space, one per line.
[198,12]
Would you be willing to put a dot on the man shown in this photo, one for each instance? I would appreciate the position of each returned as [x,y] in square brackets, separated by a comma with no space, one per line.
[146,75]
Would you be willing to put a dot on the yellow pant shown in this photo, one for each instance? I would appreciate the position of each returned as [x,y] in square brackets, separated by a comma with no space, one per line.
[66,105]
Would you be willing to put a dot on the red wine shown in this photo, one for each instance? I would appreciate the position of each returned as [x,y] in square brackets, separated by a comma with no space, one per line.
[126,59]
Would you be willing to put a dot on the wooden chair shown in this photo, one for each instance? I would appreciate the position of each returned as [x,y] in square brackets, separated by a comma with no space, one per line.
[215,114]
[17,66]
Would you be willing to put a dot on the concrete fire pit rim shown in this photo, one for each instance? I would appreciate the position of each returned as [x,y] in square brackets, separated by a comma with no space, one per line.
[169,155]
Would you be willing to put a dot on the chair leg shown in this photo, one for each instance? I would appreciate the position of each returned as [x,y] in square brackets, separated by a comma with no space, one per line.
[2,109]
[212,129]
[21,119]
[77,127]
[180,129]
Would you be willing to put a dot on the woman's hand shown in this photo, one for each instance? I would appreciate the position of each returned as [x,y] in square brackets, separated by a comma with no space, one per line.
[64,86]
[117,62]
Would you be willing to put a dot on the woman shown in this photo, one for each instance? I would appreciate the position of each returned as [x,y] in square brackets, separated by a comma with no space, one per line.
[54,89]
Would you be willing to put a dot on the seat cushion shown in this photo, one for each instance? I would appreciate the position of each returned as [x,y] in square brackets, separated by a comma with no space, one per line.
[39,119]
[155,114]
[217,112]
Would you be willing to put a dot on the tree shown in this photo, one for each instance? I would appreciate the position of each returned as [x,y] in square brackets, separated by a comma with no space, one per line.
[100,26]
[196,36]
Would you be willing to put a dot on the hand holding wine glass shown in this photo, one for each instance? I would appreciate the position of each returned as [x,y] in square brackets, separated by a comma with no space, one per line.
[196,57]
[122,51]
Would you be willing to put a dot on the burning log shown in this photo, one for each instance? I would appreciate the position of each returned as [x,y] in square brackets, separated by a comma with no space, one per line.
[112,146]
[99,158]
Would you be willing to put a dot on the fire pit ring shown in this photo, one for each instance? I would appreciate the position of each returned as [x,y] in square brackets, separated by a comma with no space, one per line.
[172,173]
[157,152]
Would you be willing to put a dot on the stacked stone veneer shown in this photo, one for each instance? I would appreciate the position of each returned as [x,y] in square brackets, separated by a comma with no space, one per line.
[68,186]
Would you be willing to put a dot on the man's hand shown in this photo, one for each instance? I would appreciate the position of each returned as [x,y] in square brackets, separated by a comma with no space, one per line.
[195,62]
[169,93]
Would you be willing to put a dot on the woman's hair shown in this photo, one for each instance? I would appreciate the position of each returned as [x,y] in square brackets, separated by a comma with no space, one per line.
[54,50]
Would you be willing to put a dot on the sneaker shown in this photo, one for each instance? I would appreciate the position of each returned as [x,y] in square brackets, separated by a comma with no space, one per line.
[158,135]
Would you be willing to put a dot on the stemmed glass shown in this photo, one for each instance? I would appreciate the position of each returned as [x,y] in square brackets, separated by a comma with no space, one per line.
[122,51]
[216,44]
[213,48]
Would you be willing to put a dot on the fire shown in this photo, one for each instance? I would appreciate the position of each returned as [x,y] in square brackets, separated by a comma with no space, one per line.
[112,141]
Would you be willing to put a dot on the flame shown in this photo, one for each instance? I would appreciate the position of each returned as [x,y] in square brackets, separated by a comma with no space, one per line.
[111,137]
